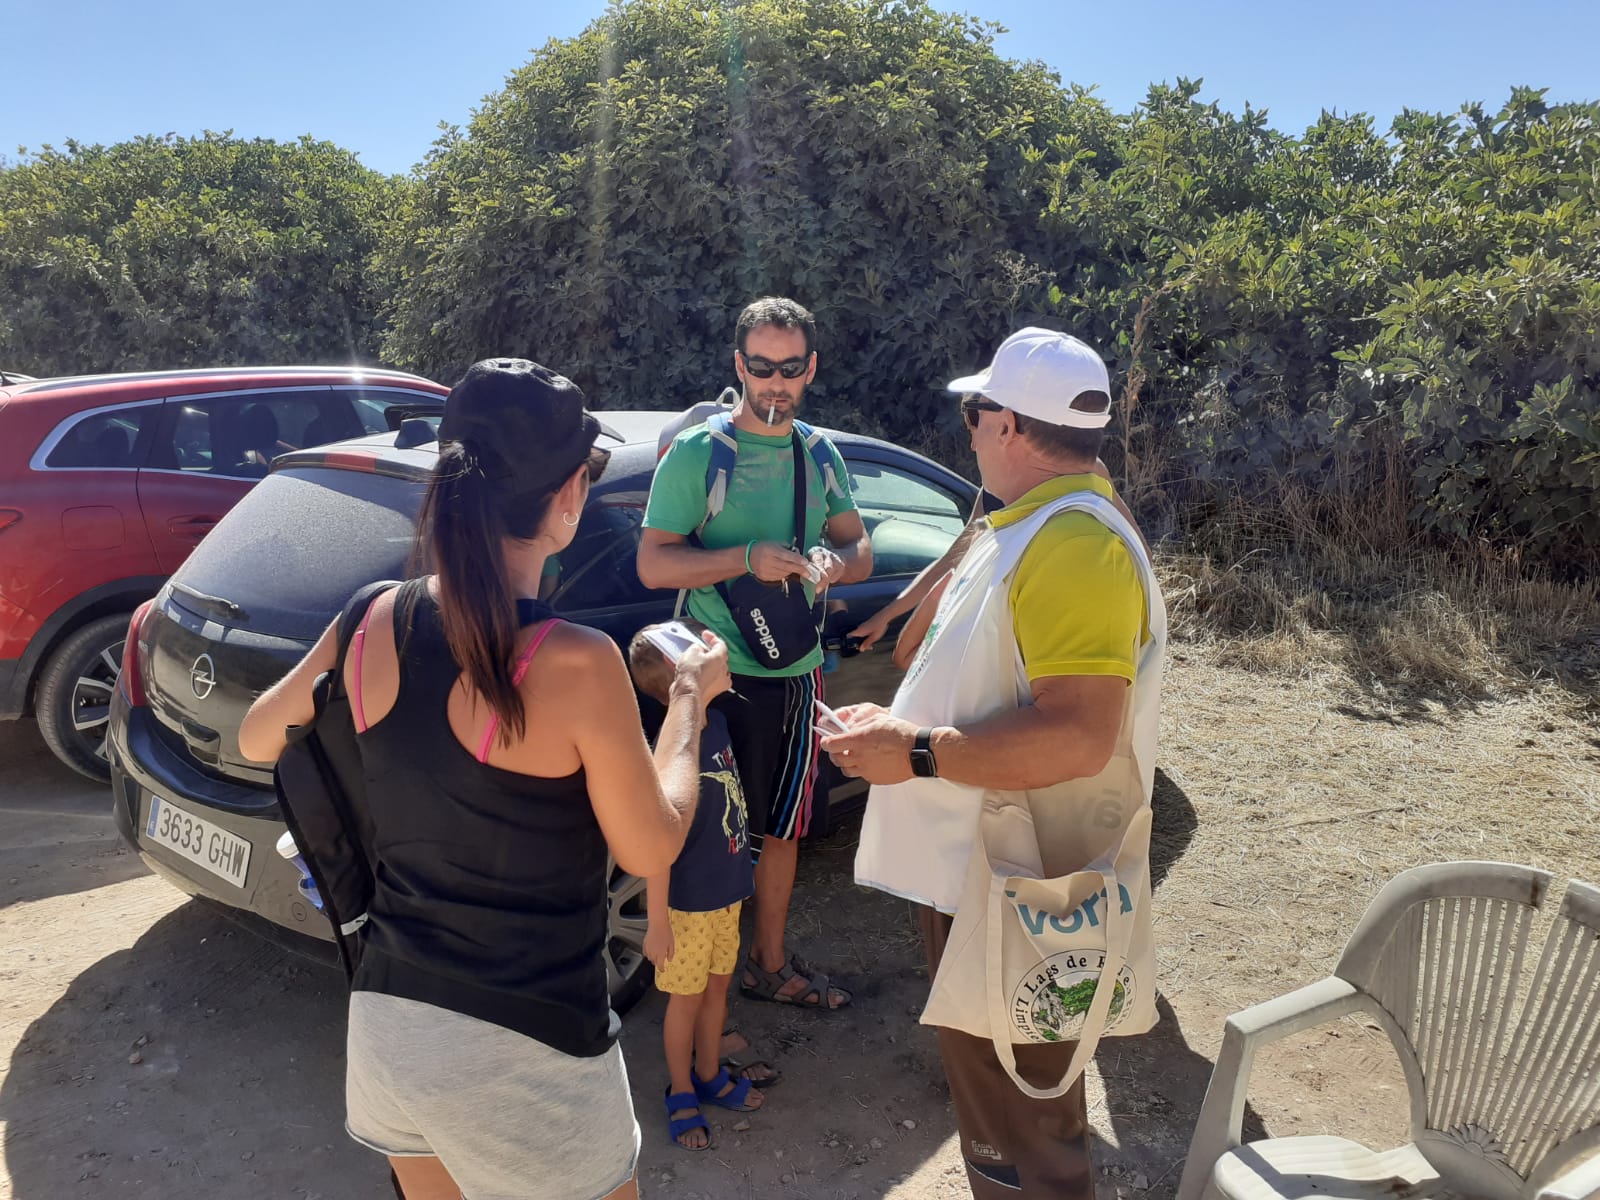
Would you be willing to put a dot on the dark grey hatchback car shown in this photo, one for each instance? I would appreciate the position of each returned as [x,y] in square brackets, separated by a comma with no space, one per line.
[262,586]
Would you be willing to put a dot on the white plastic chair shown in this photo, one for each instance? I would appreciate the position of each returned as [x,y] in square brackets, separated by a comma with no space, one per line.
[1504,1079]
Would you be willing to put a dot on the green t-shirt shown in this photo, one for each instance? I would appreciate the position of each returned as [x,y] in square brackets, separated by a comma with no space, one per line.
[759,508]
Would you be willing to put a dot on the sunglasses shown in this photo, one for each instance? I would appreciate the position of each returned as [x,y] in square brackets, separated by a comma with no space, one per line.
[971,406]
[597,462]
[763,368]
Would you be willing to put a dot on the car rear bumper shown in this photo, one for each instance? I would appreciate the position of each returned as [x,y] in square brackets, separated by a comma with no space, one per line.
[269,899]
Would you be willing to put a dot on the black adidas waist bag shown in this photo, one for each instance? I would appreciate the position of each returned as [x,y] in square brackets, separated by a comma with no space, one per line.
[775,620]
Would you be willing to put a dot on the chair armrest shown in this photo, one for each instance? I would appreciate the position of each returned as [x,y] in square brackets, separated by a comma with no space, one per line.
[1220,1125]
[1581,1182]
[1310,1006]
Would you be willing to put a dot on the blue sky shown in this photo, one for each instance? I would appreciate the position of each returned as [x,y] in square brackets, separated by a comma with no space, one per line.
[379,77]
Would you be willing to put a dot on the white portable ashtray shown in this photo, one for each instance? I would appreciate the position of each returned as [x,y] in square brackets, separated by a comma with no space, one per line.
[674,639]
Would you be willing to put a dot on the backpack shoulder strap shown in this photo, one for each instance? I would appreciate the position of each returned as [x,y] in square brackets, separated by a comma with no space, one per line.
[822,454]
[354,617]
[355,611]
[719,470]
[719,467]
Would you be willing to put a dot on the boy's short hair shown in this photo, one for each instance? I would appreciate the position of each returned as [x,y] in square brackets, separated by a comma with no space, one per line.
[652,673]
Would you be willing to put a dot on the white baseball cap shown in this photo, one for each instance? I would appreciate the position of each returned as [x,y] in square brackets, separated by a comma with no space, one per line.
[1039,373]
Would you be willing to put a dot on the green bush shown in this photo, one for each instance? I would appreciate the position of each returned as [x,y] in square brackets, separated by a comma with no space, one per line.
[1442,293]
[172,252]
[1411,310]
[628,192]
[1302,305]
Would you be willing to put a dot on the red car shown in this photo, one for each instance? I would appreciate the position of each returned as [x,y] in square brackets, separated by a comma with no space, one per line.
[108,481]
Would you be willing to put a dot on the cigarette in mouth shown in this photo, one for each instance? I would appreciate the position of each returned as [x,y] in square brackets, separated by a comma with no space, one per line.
[771,410]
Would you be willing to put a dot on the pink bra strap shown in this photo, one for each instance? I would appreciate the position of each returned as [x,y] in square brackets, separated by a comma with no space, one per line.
[358,644]
[523,660]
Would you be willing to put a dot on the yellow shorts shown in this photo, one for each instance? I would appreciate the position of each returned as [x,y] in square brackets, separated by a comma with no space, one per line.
[704,944]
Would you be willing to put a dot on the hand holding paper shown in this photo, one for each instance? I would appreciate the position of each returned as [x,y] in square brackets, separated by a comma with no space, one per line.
[828,722]
[875,745]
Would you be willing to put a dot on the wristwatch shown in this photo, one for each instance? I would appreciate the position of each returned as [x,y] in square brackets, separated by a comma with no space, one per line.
[923,764]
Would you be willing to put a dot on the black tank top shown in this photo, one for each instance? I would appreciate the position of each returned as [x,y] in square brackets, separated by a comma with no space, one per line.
[490,896]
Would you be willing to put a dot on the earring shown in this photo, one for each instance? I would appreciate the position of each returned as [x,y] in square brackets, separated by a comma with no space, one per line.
[569,519]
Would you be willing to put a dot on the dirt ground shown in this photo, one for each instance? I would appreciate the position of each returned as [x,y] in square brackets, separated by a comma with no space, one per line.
[148,1048]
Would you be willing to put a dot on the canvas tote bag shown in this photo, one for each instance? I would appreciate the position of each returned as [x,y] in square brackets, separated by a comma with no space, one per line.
[1057,900]
[1043,922]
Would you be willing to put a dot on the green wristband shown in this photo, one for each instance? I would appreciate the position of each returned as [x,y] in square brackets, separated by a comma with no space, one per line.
[747,550]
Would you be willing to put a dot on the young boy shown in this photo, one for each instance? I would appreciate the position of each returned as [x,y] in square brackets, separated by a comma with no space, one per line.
[693,910]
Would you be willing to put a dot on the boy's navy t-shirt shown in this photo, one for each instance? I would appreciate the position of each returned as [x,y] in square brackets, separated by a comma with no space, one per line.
[714,869]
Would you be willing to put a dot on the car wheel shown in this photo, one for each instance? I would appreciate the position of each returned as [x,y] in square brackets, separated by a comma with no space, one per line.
[74,700]
[628,971]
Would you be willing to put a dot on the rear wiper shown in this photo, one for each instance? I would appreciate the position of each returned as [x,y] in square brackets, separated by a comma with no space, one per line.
[216,603]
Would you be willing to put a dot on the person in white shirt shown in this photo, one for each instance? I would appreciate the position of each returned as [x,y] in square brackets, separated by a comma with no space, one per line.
[1053,587]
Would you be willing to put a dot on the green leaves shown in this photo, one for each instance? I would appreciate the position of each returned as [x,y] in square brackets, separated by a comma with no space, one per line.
[1296,307]
[169,252]
[878,162]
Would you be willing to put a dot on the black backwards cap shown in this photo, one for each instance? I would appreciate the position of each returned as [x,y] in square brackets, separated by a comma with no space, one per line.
[526,425]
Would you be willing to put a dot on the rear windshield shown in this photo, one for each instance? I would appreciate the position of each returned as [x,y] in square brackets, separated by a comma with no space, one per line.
[300,543]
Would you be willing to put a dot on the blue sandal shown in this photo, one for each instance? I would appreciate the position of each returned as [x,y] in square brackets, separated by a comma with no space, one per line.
[682,1125]
[716,1091]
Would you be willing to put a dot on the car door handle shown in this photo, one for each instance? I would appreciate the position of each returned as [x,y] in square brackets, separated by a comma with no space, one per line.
[191,527]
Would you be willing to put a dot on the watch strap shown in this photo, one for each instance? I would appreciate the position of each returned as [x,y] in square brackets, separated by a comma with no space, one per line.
[923,763]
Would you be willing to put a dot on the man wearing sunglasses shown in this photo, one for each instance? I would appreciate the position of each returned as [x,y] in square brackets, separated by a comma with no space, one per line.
[713,553]
[1054,582]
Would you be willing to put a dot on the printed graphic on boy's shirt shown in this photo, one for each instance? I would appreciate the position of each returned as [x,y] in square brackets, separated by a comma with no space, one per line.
[735,816]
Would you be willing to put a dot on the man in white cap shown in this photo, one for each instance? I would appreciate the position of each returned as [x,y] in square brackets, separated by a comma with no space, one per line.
[1061,578]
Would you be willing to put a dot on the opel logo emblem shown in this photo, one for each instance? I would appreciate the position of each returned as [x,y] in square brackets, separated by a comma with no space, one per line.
[203,676]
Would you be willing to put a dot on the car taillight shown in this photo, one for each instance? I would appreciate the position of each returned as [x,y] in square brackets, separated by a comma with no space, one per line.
[129,680]
[9,517]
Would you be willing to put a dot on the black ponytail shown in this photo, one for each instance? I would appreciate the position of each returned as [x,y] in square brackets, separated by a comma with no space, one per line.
[460,528]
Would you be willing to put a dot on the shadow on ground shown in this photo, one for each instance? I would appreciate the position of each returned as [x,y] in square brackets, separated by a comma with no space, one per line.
[1172,826]
[1154,1085]
[200,1063]
[56,834]
[1415,684]
[203,1062]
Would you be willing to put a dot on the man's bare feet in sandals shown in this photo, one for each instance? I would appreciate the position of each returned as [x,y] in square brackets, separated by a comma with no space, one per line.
[787,985]
[759,1071]
[733,1043]
[733,1050]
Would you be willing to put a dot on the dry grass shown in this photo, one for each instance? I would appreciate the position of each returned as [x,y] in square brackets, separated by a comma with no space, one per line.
[1318,583]
[1346,701]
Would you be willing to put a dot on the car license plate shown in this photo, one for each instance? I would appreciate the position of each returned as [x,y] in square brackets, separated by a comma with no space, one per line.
[224,854]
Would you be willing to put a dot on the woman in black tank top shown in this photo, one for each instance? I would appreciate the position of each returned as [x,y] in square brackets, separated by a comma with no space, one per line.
[482,1050]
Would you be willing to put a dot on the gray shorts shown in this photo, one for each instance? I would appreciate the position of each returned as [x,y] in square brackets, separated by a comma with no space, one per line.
[510,1118]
